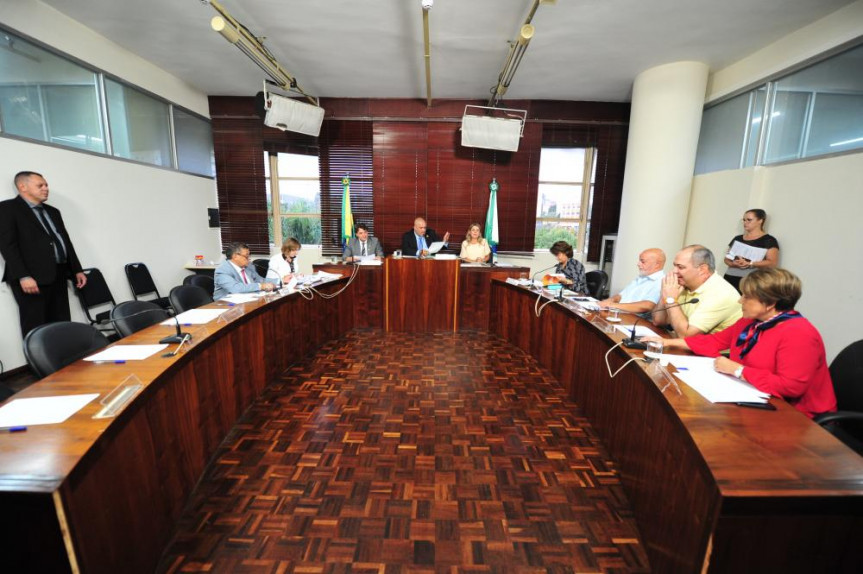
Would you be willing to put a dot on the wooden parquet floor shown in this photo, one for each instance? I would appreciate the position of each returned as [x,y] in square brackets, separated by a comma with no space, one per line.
[410,453]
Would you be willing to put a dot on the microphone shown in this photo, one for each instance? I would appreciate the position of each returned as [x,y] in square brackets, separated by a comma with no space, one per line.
[532,279]
[179,337]
[631,342]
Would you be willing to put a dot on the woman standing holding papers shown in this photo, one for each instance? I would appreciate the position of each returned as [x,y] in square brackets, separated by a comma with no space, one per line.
[753,236]
[474,248]
[772,347]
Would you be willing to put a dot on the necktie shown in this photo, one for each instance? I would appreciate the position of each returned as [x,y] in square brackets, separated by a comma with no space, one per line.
[59,250]
[364,249]
[245,279]
[421,242]
[291,263]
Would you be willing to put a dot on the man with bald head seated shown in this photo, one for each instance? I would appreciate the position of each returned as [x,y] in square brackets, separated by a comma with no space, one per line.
[642,293]
[694,277]
[416,242]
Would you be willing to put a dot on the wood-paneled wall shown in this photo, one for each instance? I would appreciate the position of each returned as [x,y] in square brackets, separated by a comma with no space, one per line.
[421,169]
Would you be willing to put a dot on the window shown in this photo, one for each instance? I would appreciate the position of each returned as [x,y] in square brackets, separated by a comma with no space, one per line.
[815,111]
[139,125]
[563,201]
[293,197]
[194,138]
[47,97]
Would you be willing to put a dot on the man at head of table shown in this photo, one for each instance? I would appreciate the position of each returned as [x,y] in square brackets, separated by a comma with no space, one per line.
[417,240]
[235,275]
[693,276]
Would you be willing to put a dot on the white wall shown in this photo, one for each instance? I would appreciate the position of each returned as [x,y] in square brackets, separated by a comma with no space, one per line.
[815,210]
[117,212]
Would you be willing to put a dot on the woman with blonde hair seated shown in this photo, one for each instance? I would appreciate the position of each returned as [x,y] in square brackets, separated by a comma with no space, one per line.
[474,248]
[284,265]
[772,347]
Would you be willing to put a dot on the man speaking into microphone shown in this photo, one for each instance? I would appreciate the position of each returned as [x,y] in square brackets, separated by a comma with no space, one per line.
[693,276]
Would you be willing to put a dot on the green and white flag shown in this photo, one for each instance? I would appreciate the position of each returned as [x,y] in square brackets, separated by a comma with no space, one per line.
[491,226]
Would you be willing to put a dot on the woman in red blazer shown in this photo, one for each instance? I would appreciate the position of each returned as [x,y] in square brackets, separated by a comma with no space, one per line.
[772,347]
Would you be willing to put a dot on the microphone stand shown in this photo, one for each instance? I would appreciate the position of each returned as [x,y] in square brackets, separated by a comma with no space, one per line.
[631,342]
[179,337]
[533,279]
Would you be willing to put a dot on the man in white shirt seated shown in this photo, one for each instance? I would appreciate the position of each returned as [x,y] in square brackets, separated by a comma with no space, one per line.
[235,275]
[643,292]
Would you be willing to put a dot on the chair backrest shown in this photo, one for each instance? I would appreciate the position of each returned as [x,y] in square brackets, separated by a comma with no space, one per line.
[132,316]
[95,294]
[597,283]
[140,280]
[203,281]
[185,297]
[846,370]
[50,347]
[261,266]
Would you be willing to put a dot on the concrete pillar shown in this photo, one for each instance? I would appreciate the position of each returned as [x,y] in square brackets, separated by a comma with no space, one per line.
[667,102]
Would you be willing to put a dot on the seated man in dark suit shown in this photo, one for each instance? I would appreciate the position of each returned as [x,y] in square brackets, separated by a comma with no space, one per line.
[235,275]
[362,245]
[416,242]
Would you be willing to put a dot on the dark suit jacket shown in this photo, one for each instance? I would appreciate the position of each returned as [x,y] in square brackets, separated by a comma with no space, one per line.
[409,241]
[26,246]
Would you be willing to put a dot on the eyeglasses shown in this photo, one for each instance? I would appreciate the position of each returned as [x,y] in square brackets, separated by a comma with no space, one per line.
[750,219]
[244,255]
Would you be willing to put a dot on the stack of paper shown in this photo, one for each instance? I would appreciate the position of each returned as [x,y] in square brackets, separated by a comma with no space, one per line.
[698,373]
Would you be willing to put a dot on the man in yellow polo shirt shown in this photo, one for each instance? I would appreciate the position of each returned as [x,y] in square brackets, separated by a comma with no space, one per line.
[694,277]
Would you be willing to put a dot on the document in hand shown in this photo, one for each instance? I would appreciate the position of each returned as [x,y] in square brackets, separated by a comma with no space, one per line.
[436,246]
[749,252]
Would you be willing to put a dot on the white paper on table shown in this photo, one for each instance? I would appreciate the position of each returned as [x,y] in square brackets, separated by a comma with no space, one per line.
[370,260]
[473,264]
[719,388]
[500,264]
[691,362]
[436,246]
[749,252]
[126,353]
[445,256]
[640,330]
[42,410]
[237,298]
[196,316]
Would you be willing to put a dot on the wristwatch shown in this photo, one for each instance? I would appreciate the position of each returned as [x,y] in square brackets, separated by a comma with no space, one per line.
[669,300]
[739,372]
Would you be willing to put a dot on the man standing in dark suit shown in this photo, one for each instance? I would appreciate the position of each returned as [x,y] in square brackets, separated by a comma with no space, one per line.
[38,253]
[417,240]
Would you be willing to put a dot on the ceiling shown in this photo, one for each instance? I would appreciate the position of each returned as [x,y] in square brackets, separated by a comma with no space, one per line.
[582,49]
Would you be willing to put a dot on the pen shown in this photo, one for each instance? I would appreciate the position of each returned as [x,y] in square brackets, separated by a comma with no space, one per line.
[763,406]
[109,362]
[13,429]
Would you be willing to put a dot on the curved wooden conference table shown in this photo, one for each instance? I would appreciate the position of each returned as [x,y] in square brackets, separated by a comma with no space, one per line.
[711,486]
[104,495]
[714,488]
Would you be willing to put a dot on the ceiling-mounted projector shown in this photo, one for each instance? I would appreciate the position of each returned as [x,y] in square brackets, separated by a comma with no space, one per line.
[289,114]
[496,128]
